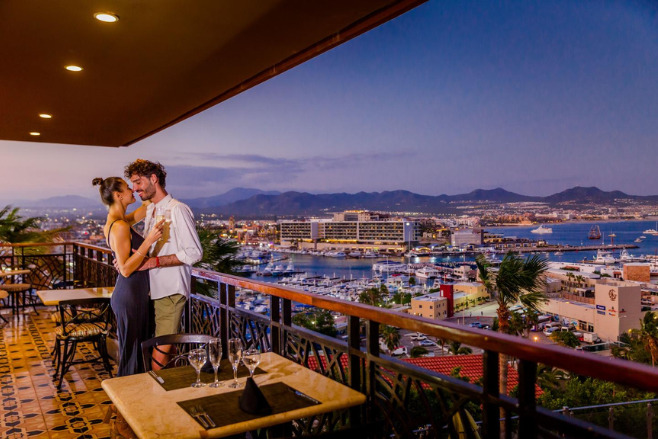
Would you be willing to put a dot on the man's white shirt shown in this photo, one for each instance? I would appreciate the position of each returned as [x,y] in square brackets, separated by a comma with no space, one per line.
[179,238]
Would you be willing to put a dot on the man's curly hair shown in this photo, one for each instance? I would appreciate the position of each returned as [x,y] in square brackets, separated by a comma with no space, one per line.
[145,168]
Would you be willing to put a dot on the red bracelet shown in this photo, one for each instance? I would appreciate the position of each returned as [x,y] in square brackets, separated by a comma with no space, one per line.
[157,262]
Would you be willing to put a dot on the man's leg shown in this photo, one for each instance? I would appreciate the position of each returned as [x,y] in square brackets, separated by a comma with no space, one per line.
[168,312]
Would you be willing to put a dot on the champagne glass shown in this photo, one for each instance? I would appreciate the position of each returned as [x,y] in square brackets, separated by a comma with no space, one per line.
[251,359]
[160,215]
[215,353]
[234,356]
[197,358]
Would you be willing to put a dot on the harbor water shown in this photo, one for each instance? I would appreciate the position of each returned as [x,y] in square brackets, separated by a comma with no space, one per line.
[572,234]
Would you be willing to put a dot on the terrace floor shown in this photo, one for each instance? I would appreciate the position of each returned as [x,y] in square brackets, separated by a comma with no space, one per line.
[32,406]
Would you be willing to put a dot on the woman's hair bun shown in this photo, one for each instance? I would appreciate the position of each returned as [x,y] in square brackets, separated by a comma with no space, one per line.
[96,181]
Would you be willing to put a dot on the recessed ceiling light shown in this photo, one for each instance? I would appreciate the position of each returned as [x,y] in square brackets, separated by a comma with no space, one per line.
[106,17]
[74,68]
[35,133]
[45,116]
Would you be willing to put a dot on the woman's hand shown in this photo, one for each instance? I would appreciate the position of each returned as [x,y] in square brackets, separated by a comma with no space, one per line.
[155,233]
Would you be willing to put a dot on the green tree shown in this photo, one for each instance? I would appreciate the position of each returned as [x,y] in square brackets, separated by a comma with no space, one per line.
[372,296]
[317,319]
[565,338]
[391,336]
[218,254]
[649,335]
[15,229]
[456,348]
[412,281]
[549,377]
[418,351]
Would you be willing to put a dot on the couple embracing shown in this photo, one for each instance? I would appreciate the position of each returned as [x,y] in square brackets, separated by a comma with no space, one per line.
[153,268]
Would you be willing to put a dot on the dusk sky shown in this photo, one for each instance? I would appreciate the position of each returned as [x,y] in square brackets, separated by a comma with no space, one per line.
[532,96]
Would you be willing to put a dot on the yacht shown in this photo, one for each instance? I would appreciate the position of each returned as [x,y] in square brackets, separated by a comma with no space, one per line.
[427,272]
[652,231]
[604,257]
[558,253]
[370,254]
[542,230]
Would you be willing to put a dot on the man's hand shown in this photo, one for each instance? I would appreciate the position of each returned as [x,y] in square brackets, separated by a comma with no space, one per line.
[147,264]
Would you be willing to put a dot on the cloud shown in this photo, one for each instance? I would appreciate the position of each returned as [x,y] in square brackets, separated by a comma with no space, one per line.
[253,170]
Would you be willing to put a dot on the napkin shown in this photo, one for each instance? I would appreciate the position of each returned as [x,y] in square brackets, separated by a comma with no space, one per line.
[253,401]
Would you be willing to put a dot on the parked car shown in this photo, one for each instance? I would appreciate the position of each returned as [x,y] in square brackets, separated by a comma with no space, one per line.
[400,350]
[417,337]
[427,343]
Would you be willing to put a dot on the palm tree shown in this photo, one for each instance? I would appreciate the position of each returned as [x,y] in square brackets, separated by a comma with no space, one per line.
[218,254]
[649,335]
[13,228]
[517,280]
[372,296]
[417,351]
[391,336]
[456,348]
[570,277]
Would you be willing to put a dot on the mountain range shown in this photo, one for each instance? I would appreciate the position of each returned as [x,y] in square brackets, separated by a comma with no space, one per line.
[249,202]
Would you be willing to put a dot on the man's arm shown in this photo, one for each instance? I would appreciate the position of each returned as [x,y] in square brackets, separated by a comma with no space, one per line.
[138,215]
[190,251]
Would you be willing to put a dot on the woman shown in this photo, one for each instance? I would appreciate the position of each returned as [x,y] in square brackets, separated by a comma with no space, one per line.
[130,300]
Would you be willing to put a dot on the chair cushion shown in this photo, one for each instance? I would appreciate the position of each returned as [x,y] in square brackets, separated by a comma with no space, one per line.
[82,330]
[56,317]
[3,294]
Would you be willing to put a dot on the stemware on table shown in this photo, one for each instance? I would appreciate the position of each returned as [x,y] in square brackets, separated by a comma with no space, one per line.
[197,358]
[215,357]
[234,356]
[251,359]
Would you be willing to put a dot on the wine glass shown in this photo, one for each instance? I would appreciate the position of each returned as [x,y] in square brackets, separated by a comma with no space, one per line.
[197,358]
[215,353]
[234,356]
[251,359]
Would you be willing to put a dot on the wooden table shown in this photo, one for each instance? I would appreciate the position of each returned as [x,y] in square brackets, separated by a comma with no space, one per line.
[53,297]
[152,411]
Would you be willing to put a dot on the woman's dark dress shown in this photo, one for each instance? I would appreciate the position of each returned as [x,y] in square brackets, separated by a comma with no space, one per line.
[130,303]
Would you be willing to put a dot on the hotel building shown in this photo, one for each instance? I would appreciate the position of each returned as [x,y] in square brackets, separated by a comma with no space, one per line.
[351,230]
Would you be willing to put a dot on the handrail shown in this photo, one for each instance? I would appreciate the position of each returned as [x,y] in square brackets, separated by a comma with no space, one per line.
[609,369]
[56,244]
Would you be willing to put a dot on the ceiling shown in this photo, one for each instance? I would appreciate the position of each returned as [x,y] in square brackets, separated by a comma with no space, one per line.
[161,62]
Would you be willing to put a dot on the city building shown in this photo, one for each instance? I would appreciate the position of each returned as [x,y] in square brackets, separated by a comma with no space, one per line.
[362,228]
[465,237]
[432,306]
[614,309]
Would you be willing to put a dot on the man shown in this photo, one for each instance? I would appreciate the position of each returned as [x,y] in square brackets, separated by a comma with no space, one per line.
[170,264]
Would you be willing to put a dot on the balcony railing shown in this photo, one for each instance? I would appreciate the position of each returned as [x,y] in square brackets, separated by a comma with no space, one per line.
[403,400]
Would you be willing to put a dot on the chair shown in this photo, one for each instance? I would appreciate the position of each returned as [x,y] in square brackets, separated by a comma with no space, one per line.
[81,320]
[182,344]
[3,295]
[22,289]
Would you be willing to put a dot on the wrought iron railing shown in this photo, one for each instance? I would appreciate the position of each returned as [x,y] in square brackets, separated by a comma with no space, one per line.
[403,400]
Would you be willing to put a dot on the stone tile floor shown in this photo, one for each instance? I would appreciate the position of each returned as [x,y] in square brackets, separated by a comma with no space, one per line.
[31,404]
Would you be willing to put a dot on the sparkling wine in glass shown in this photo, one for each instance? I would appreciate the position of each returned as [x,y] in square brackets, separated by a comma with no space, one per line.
[215,353]
[234,356]
[251,359]
[197,358]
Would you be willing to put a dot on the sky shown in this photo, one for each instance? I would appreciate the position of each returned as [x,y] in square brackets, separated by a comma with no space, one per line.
[532,96]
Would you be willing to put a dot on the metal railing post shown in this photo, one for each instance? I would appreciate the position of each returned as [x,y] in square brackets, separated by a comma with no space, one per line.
[527,401]
[490,410]
[354,363]
[222,293]
[286,318]
[275,324]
